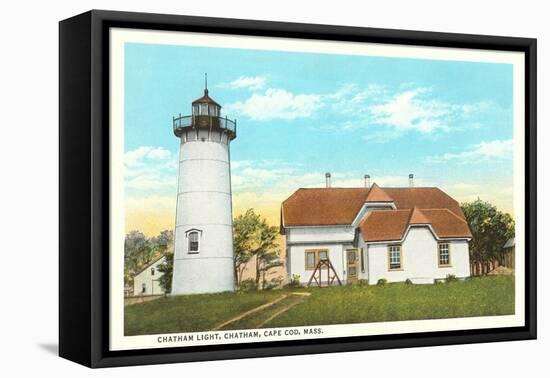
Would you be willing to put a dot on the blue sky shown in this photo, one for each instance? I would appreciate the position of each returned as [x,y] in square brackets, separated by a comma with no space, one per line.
[302,114]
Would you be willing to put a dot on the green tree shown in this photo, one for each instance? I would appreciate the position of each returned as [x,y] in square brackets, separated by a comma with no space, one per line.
[254,239]
[490,228]
[244,228]
[137,249]
[166,268]
[163,242]
[267,253]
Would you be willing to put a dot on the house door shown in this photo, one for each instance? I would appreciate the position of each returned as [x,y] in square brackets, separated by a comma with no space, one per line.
[352,259]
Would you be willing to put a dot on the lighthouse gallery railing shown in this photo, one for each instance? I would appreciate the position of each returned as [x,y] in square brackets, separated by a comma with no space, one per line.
[216,122]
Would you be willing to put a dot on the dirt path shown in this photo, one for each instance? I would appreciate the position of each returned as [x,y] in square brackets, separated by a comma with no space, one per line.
[262,315]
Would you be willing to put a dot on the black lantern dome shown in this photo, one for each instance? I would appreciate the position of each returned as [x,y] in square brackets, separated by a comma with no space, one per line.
[205,115]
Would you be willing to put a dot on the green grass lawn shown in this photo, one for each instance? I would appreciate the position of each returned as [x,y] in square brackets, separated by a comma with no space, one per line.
[338,305]
[355,304]
[255,320]
[190,313]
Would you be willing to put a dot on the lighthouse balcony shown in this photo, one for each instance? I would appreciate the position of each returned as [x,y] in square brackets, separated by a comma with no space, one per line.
[205,122]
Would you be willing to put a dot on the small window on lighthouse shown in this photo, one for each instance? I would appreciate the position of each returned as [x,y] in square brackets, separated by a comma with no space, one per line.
[193,242]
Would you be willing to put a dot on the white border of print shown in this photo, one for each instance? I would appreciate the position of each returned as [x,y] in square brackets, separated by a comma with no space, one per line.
[118,37]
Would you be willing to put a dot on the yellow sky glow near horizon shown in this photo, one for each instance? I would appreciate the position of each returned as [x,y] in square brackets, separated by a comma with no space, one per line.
[155,214]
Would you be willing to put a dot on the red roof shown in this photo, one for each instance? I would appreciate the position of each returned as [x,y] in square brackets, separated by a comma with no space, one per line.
[418,217]
[447,224]
[381,225]
[390,225]
[423,198]
[340,206]
[205,99]
[376,194]
[323,206]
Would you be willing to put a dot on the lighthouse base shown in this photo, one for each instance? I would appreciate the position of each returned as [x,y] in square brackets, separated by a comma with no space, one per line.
[200,276]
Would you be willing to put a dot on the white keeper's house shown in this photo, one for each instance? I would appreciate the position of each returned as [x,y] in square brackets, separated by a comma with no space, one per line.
[146,282]
[374,233]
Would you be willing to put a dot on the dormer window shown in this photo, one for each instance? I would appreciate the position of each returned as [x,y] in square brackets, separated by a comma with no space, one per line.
[152,271]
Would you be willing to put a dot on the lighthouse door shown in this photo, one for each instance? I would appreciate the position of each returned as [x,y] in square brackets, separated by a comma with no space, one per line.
[352,260]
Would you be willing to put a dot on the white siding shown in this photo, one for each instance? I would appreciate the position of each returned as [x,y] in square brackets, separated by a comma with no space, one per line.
[149,281]
[204,203]
[419,252]
[320,234]
[363,255]
[336,255]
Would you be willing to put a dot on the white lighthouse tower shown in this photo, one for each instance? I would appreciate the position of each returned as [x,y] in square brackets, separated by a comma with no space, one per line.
[203,252]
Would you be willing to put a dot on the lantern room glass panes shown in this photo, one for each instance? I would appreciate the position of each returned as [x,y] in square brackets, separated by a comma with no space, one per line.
[204,109]
[214,110]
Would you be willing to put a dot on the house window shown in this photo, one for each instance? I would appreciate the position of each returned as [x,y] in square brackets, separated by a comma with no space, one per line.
[152,271]
[193,237]
[310,260]
[313,256]
[394,257]
[143,287]
[444,254]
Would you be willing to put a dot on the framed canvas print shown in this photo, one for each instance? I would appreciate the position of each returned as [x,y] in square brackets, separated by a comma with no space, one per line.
[234,188]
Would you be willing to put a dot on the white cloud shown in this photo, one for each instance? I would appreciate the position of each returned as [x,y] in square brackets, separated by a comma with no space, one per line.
[149,169]
[499,194]
[496,149]
[280,177]
[250,82]
[387,113]
[144,154]
[277,104]
[408,111]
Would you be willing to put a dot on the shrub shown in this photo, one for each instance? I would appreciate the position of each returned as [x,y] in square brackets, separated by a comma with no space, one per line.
[408,281]
[382,282]
[451,278]
[273,283]
[295,281]
[248,285]
[363,282]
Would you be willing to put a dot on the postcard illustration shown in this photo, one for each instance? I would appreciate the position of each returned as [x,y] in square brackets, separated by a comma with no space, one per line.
[276,192]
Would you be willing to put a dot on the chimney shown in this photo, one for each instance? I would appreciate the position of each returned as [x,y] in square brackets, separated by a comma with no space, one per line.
[411,180]
[367,181]
[327,177]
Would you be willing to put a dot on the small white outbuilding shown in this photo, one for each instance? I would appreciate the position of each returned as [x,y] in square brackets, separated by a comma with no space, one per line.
[146,282]
[374,233]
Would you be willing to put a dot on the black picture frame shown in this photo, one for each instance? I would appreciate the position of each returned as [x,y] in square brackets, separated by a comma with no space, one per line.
[84,187]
